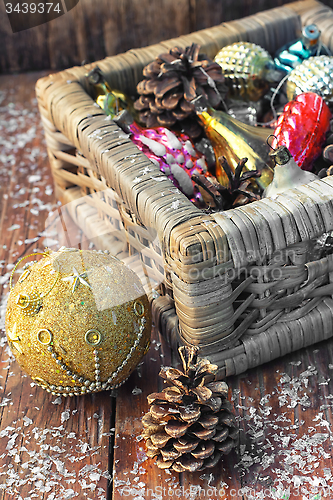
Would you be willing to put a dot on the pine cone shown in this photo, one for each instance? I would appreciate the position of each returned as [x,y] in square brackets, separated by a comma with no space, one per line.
[239,192]
[190,424]
[171,81]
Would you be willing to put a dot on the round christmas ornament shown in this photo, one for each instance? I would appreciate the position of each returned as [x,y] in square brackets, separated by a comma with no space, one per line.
[312,75]
[248,70]
[78,321]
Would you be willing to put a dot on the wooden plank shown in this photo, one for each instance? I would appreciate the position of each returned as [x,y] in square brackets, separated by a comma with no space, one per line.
[105,28]
[284,411]
[285,416]
[206,13]
[133,473]
[96,30]
[50,447]
[135,476]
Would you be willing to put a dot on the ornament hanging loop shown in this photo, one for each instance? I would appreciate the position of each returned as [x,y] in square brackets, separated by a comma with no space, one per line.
[281,154]
[43,254]
[270,142]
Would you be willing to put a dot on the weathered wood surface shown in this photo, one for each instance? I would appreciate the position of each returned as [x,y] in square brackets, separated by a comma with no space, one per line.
[93,30]
[49,447]
[90,447]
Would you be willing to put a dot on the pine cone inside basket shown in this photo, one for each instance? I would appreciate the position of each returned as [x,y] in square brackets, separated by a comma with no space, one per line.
[190,424]
[171,81]
[239,191]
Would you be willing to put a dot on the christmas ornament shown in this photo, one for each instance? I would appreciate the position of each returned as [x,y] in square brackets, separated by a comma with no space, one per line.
[328,153]
[294,53]
[205,147]
[246,112]
[190,424]
[248,70]
[235,140]
[302,128]
[78,321]
[175,154]
[171,81]
[287,174]
[111,101]
[312,75]
[236,194]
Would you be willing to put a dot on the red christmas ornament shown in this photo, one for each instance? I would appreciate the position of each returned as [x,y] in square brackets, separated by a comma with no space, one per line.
[302,128]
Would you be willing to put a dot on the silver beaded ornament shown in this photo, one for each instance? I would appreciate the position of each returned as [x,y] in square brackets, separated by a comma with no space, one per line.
[312,75]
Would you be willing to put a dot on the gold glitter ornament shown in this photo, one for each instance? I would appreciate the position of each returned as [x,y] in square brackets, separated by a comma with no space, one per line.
[78,321]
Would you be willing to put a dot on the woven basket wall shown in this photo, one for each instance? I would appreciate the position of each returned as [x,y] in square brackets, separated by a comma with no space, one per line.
[245,285]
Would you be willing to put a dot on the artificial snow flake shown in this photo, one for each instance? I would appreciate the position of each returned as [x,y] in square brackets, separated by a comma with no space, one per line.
[175,204]
[13,227]
[65,416]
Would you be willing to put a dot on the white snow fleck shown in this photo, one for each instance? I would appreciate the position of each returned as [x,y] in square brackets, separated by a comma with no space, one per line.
[57,401]
[65,416]
[158,179]
[34,178]
[4,278]
[95,476]
[5,401]
[175,204]
[13,227]
[27,421]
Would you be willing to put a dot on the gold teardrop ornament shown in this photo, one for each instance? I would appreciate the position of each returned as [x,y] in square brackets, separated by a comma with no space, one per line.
[236,140]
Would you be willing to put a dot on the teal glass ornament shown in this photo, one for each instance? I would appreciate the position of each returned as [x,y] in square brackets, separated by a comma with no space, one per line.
[308,45]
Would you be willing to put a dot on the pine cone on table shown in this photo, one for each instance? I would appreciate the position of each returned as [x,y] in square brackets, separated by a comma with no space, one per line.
[171,81]
[190,424]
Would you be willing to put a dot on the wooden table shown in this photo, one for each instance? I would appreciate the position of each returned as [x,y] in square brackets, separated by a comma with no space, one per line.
[89,447]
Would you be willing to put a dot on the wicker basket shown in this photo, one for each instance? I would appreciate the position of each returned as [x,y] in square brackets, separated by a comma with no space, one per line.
[244,285]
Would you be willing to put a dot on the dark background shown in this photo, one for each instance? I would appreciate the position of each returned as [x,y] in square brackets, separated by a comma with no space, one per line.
[95,29]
